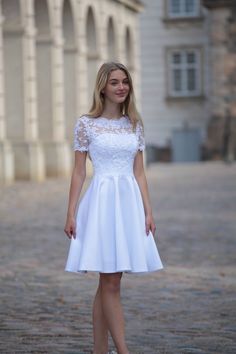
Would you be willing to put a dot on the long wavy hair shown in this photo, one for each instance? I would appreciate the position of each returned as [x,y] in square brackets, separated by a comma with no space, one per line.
[127,108]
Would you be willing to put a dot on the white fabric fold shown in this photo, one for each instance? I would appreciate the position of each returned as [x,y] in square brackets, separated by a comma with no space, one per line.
[110,234]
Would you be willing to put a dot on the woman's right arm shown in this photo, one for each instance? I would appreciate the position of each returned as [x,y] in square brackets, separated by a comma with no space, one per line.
[77,181]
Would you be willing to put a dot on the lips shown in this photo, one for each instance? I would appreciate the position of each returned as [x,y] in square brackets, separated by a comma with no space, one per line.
[121,94]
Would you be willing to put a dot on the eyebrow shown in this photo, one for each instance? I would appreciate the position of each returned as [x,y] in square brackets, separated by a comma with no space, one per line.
[126,78]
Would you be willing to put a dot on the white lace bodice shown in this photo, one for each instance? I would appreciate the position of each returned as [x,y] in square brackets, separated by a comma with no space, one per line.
[112,144]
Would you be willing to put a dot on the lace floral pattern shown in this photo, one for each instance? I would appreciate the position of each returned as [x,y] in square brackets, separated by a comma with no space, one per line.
[140,135]
[81,139]
[112,143]
[87,128]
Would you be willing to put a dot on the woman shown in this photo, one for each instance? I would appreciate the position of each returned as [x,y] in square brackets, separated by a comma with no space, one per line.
[113,230]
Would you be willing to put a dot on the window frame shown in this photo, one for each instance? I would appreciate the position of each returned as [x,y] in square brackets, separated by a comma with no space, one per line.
[184,66]
[183,14]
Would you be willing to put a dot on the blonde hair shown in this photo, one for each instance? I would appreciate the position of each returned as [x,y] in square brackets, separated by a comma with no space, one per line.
[127,108]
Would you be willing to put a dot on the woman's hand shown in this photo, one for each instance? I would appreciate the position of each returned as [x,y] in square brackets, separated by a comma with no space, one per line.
[77,180]
[70,227]
[150,224]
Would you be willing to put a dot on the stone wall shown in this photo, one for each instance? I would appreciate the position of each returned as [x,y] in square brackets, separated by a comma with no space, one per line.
[222,64]
[50,51]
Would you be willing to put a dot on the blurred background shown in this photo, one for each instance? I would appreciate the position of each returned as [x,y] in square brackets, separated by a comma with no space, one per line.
[181,54]
[182,57]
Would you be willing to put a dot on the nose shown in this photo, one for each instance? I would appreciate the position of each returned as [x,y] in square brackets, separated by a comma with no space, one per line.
[121,86]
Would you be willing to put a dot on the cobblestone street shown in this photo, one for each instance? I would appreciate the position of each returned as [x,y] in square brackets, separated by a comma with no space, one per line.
[188,307]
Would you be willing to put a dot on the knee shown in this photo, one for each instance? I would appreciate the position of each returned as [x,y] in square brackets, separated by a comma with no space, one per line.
[110,283]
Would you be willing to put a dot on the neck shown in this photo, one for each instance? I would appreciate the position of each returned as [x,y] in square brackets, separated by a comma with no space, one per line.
[111,110]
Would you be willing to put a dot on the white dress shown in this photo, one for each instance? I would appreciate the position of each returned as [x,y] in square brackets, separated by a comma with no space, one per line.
[110,221]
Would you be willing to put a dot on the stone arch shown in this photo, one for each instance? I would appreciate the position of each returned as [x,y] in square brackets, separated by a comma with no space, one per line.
[44,70]
[13,69]
[70,86]
[111,40]
[129,55]
[92,55]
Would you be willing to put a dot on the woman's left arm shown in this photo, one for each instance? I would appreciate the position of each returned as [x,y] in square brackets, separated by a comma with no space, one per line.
[143,186]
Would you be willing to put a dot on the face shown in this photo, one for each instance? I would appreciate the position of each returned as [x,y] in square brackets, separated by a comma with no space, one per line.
[117,87]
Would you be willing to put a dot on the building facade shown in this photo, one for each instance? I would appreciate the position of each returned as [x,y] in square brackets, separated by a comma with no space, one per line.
[185,45]
[50,51]
[221,130]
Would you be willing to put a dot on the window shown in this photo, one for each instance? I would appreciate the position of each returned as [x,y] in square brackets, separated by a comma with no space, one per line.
[184,72]
[183,8]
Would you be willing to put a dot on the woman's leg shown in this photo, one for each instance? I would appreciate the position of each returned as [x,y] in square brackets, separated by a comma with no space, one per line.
[100,330]
[112,309]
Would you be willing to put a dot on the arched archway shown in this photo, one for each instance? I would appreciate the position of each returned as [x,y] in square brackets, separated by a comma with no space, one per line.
[13,70]
[43,70]
[111,41]
[91,52]
[70,87]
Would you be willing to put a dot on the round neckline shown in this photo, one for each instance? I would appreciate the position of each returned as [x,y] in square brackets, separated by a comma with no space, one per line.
[112,119]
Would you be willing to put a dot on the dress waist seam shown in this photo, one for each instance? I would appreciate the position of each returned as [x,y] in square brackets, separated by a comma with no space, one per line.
[98,174]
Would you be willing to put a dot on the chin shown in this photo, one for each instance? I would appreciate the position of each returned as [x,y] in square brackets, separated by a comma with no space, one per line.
[120,99]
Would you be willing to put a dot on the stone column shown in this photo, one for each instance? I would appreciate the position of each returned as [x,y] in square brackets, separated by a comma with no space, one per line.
[121,55]
[81,60]
[31,147]
[20,124]
[103,43]
[136,70]
[84,98]
[231,82]
[6,152]
[69,69]
[57,151]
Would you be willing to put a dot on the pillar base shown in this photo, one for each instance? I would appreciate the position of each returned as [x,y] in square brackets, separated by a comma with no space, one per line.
[29,161]
[57,159]
[6,163]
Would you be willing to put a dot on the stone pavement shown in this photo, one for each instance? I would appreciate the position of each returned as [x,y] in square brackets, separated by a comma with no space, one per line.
[188,307]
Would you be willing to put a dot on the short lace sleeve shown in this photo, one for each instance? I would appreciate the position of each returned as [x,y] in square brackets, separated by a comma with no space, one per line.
[81,138]
[140,136]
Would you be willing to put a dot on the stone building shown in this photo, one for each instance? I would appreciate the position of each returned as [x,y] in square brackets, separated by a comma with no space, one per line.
[222,70]
[188,79]
[50,51]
